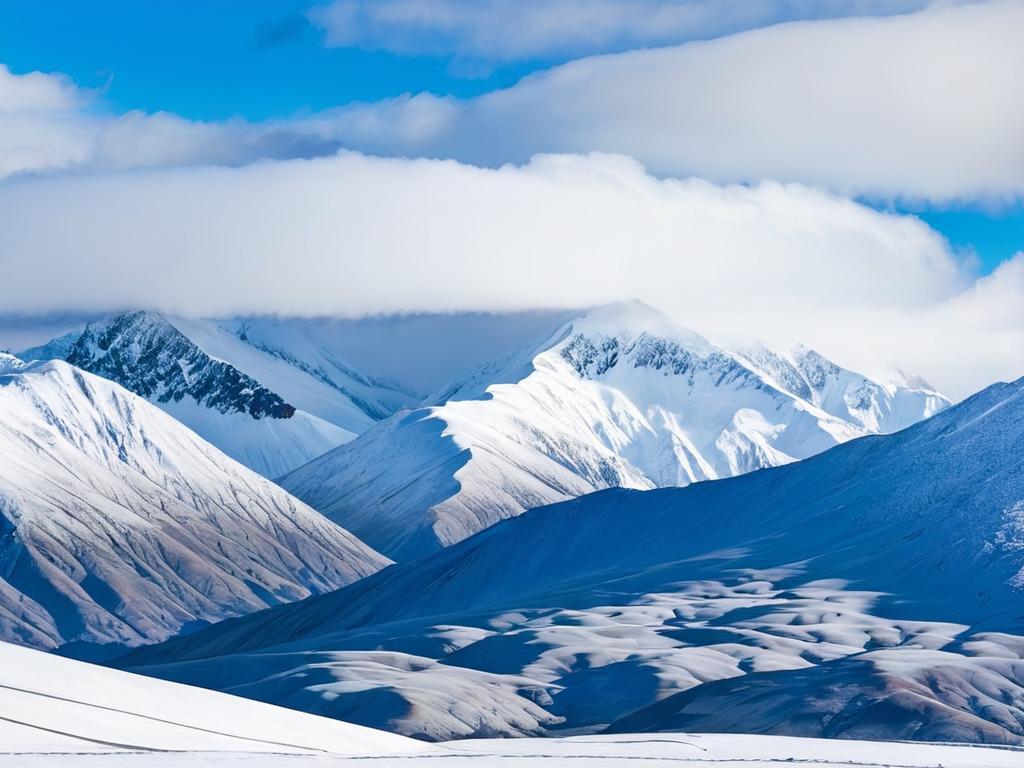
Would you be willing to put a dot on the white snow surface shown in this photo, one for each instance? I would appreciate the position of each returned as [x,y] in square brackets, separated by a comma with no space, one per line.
[418,353]
[120,525]
[10,364]
[53,705]
[56,711]
[619,397]
[870,592]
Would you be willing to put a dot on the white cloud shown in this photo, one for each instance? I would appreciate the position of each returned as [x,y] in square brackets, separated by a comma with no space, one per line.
[923,106]
[509,30]
[48,125]
[355,234]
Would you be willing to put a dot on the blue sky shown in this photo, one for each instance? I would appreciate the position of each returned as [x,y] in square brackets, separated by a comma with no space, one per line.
[215,59]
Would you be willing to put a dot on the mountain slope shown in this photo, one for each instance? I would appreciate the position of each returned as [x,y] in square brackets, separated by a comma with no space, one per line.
[617,397]
[873,591]
[146,353]
[119,525]
[878,407]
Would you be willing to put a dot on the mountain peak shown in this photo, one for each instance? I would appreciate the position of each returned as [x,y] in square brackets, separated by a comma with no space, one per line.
[146,353]
[632,318]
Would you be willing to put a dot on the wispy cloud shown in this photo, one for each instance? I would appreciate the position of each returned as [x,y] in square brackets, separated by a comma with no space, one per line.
[509,30]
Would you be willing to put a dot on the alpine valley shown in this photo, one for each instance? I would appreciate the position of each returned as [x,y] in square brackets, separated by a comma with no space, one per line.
[873,591]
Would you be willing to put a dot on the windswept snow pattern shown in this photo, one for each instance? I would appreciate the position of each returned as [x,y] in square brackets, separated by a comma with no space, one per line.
[870,592]
[10,364]
[120,525]
[620,397]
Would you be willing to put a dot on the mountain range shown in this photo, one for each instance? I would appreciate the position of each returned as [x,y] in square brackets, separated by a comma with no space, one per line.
[872,591]
[603,522]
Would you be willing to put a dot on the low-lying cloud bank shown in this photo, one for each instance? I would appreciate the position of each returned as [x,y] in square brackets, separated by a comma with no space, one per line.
[354,234]
[922,106]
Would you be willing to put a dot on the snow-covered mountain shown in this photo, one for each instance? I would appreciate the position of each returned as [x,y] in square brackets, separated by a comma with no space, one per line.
[265,407]
[120,525]
[617,397]
[873,591]
[878,407]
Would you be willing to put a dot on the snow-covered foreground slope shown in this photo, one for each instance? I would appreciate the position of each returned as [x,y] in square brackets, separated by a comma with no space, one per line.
[58,711]
[618,397]
[120,525]
[259,406]
[53,705]
[873,591]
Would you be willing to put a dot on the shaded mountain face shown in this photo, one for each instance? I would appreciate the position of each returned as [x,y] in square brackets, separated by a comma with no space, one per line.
[120,525]
[147,355]
[215,384]
[620,397]
[874,590]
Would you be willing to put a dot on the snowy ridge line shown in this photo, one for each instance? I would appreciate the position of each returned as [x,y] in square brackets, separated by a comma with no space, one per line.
[144,717]
[620,396]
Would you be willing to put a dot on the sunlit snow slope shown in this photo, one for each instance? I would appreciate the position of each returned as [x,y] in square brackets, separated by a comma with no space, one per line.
[120,525]
[54,705]
[618,397]
[873,591]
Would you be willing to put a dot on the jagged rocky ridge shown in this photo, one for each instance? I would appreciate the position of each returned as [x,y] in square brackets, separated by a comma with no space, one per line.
[873,591]
[146,354]
[181,366]
[619,397]
[120,525]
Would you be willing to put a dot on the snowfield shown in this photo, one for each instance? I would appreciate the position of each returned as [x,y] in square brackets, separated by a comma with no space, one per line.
[620,397]
[870,592]
[49,704]
[120,525]
[56,711]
